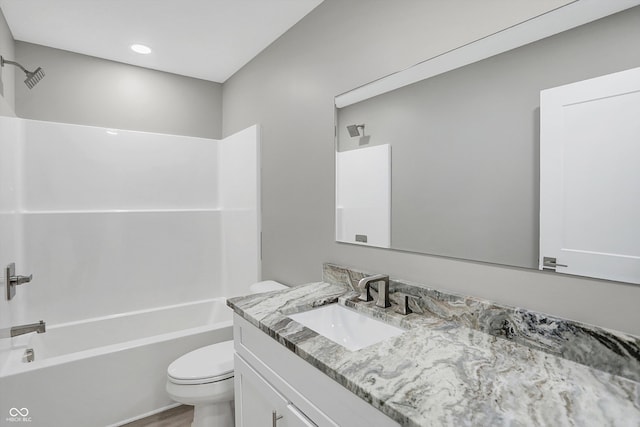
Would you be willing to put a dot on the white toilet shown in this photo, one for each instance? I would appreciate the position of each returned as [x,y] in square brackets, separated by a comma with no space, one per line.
[204,377]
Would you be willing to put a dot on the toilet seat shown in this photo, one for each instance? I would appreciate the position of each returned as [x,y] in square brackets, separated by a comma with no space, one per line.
[208,364]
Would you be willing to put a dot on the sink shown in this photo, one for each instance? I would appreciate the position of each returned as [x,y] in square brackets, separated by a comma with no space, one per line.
[346,327]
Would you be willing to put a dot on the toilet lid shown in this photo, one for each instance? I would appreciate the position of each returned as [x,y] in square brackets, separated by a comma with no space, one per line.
[204,365]
[266,286]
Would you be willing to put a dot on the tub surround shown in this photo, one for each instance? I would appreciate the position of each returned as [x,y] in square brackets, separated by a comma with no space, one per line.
[72,222]
[463,360]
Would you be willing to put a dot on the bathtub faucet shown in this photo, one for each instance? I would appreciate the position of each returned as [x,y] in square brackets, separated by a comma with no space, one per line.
[14,331]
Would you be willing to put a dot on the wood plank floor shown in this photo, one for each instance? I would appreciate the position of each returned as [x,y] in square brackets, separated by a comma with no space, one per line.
[180,416]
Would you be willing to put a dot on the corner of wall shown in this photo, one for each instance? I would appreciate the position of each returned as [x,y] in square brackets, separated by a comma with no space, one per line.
[7,74]
[5,108]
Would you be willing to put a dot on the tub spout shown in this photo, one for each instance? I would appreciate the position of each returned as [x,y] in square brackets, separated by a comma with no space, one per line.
[14,331]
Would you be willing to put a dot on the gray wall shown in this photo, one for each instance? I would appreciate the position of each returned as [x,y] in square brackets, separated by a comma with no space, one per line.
[85,90]
[289,90]
[7,50]
[465,164]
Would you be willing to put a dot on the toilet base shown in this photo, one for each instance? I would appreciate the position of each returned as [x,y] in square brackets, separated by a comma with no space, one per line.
[213,415]
[212,402]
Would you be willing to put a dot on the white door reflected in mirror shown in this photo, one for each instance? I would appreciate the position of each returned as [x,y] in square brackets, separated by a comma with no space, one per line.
[589,175]
[363,196]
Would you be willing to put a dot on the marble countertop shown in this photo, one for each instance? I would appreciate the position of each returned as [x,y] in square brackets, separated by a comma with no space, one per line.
[441,372]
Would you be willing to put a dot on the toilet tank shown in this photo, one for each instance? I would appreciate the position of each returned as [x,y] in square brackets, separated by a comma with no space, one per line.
[266,286]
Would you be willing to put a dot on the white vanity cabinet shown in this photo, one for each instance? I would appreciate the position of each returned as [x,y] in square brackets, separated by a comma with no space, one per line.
[275,387]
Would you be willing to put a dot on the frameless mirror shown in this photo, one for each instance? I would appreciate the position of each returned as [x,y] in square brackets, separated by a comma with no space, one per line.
[444,158]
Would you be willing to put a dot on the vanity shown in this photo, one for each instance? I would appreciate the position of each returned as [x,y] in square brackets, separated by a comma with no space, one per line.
[276,387]
[469,155]
[459,361]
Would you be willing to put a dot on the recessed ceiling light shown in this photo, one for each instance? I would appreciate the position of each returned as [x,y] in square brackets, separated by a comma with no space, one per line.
[140,48]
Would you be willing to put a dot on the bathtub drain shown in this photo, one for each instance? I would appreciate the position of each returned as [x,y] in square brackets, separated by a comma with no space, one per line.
[29,355]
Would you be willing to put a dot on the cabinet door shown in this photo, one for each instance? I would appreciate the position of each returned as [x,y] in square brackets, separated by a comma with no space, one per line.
[259,404]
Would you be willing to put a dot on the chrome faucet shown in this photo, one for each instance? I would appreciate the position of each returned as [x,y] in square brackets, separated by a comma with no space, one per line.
[383,290]
[14,331]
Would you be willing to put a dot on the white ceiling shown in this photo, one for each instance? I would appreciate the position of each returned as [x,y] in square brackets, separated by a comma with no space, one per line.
[206,39]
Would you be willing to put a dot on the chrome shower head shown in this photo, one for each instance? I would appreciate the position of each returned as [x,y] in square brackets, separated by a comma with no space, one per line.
[354,130]
[33,77]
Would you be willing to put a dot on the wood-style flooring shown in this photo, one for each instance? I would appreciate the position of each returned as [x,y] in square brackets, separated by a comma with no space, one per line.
[180,416]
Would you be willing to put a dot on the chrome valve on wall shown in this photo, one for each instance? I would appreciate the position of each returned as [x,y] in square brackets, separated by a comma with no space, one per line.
[12,280]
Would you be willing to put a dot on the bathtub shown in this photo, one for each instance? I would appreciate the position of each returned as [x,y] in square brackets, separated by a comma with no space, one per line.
[104,371]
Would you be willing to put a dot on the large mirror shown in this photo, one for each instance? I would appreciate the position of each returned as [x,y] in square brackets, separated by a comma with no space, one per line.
[444,158]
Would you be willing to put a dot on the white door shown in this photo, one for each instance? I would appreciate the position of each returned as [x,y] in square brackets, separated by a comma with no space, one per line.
[590,177]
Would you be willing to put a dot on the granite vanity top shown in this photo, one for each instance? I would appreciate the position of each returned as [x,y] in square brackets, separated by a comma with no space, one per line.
[446,370]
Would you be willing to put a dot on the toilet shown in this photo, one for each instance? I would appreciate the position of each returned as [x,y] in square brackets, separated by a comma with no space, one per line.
[203,378]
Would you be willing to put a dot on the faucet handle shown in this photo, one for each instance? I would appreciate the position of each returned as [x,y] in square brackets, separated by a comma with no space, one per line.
[383,293]
[403,305]
[19,280]
[12,280]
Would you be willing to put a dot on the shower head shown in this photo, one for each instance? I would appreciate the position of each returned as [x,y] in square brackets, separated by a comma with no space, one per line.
[33,77]
[354,130]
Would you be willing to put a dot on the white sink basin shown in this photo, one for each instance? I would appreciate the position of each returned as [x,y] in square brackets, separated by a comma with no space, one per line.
[346,327]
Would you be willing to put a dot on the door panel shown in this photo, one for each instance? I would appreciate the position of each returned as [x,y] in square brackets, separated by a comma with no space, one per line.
[590,177]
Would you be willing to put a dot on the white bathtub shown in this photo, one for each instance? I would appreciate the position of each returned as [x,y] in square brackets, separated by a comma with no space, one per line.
[105,371]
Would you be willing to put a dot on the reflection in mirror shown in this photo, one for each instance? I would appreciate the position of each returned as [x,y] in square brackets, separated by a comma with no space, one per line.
[465,169]
[589,175]
[363,196]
